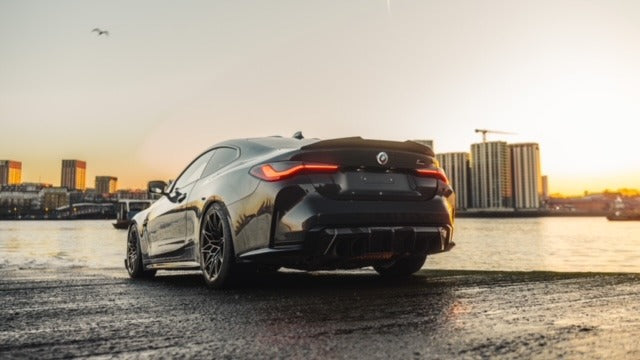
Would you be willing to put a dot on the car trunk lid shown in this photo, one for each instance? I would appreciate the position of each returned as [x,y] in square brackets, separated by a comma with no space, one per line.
[371,169]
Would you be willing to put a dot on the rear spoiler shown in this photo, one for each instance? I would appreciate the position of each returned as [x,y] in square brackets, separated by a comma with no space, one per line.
[360,143]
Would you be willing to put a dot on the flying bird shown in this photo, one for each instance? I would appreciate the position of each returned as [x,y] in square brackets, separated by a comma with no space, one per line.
[100,32]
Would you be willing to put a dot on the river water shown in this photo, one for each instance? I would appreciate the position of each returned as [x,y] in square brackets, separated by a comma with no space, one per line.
[553,244]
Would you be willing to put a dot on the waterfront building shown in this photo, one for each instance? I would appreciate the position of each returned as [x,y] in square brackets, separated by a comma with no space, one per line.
[10,172]
[74,174]
[106,184]
[77,196]
[54,198]
[526,175]
[92,195]
[456,166]
[133,194]
[428,143]
[22,197]
[19,200]
[491,186]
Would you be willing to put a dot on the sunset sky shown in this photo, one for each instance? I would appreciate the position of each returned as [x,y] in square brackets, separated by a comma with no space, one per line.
[175,77]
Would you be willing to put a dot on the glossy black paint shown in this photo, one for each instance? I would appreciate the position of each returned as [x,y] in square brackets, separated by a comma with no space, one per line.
[283,222]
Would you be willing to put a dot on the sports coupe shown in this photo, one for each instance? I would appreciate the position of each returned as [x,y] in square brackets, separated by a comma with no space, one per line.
[261,204]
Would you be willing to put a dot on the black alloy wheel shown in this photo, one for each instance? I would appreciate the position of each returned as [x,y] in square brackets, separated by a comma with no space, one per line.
[133,262]
[216,247]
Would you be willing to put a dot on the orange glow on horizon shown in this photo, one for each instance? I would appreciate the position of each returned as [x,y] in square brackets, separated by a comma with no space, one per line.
[140,110]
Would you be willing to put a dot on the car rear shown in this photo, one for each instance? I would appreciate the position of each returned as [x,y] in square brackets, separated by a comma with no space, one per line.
[352,202]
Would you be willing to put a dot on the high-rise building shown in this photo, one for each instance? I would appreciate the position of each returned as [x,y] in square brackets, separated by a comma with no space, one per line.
[545,187]
[428,143]
[106,184]
[491,175]
[74,174]
[10,172]
[526,175]
[456,166]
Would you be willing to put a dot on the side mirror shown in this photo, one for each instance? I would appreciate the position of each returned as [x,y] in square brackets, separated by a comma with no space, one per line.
[157,187]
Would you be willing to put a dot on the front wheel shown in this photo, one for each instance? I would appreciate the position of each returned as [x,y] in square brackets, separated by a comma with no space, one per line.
[402,267]
[216,247]
[133,262]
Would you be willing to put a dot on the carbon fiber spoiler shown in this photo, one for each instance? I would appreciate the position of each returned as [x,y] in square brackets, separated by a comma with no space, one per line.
[360,143]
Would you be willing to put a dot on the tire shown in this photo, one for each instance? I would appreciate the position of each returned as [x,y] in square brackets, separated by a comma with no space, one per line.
[401,267]
[216,248]
[133,261]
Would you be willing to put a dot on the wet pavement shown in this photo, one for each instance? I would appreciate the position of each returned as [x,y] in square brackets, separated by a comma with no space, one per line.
[434,314]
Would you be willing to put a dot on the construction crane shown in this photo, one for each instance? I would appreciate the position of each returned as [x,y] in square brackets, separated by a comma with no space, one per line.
[485,131]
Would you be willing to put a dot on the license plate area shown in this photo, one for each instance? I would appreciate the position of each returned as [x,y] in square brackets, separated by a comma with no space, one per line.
[361,185]
[368,181]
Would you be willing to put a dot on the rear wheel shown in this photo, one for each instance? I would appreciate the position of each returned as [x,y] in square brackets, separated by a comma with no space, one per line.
[216,247]
[402,267]
[133,262]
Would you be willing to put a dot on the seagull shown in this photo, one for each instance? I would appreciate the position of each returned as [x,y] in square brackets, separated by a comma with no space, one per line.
[100,32]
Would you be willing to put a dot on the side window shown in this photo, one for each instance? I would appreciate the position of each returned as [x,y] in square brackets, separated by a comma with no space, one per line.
[193,171]
[223,157]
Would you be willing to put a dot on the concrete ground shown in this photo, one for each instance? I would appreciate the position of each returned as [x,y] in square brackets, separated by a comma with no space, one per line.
[348,314]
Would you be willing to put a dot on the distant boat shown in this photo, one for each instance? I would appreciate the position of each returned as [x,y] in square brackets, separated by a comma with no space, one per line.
[622,213]
[624,216]
[126,209]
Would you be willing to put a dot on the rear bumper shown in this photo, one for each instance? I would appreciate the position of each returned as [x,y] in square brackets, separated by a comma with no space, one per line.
[315,213]
[297,226]
[331,247]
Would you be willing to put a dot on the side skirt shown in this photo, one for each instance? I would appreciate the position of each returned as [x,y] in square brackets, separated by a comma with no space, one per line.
[176,265]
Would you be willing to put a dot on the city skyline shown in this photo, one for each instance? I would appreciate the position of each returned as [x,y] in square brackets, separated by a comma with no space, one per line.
[166,84]
[524,187]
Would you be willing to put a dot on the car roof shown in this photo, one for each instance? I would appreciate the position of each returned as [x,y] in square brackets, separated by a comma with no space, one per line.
[279,142]
[270,142]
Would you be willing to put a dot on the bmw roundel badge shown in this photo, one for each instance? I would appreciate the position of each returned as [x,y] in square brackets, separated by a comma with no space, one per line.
[382,158]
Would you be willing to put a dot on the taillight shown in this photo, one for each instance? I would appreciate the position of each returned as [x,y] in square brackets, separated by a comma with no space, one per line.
[286,169]
[433,173]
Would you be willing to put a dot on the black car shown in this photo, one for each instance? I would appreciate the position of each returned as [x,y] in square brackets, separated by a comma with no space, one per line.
[310,204]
